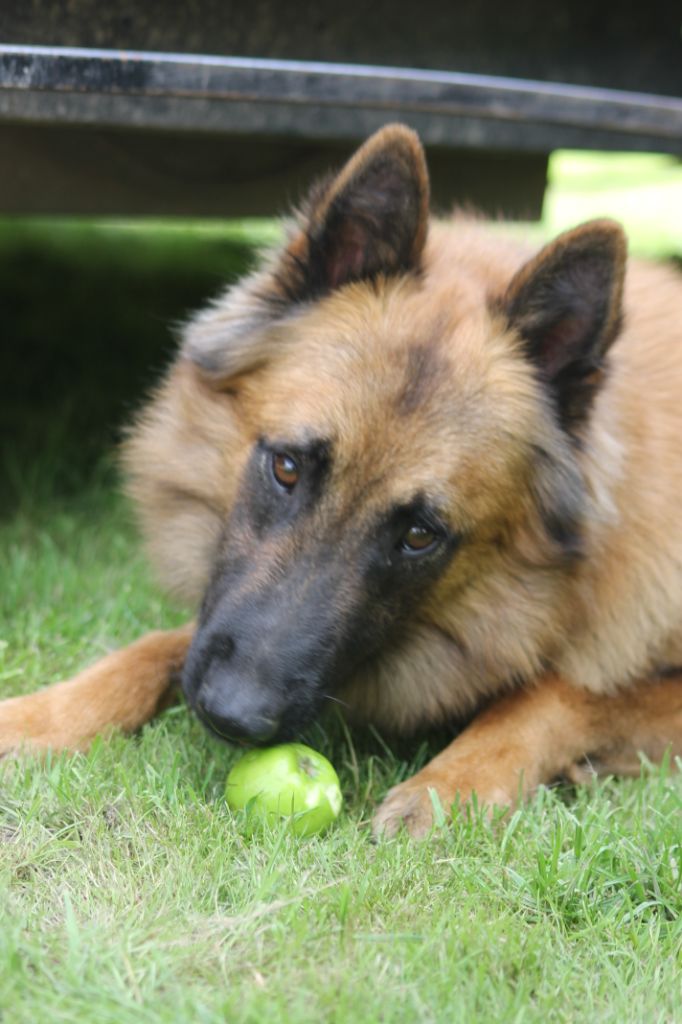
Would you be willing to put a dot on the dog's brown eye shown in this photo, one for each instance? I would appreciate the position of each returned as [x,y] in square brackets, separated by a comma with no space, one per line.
[285,471]
[417,539]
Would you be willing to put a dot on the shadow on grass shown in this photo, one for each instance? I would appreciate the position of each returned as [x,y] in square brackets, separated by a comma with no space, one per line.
[89,318]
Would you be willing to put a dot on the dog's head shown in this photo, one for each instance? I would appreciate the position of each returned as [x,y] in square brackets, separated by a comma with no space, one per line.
[383,426]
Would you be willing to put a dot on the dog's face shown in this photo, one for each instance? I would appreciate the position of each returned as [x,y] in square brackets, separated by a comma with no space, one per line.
[375,470]
[408,419]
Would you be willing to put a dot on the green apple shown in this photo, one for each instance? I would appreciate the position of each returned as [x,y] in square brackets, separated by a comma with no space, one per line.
[287,781]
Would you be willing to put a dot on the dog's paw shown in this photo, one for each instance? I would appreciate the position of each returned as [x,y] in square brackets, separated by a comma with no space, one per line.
[405,806]
[412,803]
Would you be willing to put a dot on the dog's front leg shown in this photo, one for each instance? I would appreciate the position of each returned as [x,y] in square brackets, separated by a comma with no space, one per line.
[121,691]
[534,735]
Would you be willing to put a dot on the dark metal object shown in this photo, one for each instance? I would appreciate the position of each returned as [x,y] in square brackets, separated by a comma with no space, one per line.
[86,170]
[102,131]
[251,96]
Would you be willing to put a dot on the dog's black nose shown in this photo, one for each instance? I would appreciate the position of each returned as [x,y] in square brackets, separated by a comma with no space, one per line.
[234,719]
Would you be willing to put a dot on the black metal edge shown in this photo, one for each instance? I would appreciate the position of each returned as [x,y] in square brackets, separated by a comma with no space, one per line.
[395,92]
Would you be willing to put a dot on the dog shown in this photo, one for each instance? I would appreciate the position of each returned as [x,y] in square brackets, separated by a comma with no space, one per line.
[412,467]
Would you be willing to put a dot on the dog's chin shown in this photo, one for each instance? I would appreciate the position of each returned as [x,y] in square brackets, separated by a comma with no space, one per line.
[217,734]
[288,732]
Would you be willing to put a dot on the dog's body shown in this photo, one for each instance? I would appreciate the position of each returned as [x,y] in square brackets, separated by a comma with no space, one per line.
[416,469]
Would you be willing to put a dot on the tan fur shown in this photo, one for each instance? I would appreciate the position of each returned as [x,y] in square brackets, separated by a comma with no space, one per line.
[535,735]
[420,380]
[122,691]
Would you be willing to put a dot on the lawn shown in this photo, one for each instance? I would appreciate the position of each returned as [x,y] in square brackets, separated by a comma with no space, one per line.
[129,892]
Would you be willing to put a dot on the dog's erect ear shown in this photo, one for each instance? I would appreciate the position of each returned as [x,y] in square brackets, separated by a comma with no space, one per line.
[566,305]
[370,219]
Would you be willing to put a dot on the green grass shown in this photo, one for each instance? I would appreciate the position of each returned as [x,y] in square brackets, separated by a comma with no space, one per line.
[128,891]
[641,190]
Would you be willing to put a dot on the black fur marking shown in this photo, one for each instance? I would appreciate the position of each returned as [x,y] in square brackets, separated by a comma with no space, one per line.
[271,507]
[425,369]
[560,500]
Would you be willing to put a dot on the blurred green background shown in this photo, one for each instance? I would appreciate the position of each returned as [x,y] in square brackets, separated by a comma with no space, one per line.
[89,311]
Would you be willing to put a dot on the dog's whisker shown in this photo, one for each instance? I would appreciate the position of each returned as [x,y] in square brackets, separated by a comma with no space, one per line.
[336,700]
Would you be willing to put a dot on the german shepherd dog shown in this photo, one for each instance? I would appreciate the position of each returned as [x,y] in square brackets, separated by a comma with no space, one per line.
[412,467]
